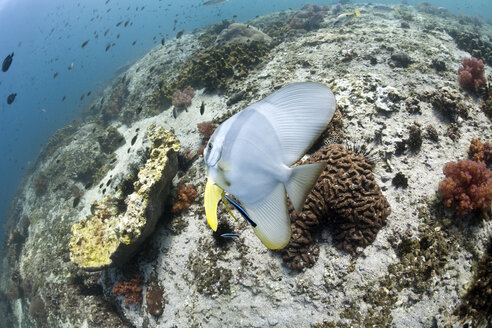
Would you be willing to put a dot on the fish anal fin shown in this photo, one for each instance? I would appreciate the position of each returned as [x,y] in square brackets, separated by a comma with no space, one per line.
[272,219]
[301,182]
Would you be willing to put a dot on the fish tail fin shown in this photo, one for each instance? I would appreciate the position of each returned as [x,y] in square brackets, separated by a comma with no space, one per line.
[301,183]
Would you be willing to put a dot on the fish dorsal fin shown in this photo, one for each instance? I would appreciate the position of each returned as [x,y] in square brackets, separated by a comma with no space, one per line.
[299,113]
[272,218]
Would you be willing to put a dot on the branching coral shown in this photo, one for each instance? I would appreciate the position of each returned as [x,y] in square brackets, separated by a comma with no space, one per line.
[185,195]
[346,195]
[480,152]
[471,74]
[130,289]
[183,98]
[467,186]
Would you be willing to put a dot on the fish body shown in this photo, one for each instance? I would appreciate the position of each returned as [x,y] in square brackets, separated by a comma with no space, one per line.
[213,2]
[250,156]
[70,67]
[229,235]
[202,108]
[85,43]
[7,62]
[11,98]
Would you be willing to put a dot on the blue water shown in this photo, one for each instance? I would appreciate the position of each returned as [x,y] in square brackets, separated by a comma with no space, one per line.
[46,37]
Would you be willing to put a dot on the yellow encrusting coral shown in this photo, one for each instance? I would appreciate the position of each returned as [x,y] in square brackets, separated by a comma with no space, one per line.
[117,226]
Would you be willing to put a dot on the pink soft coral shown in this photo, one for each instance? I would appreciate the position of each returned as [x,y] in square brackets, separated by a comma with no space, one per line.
[467,186]
[471,74]
[183,98]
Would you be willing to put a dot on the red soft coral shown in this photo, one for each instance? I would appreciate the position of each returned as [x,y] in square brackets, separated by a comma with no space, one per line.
[480,152]
[471,74]
[185,195]
[467,186]
[130,289]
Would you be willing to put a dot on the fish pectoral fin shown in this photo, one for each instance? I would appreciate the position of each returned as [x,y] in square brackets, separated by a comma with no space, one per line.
[213,194]
[301,182]
[272,219]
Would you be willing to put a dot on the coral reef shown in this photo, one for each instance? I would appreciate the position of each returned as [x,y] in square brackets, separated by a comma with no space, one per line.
[110,140]
[467,186]
[448,102]
[41,184]
[480,152]
[112,234]
[185,195]
[130,289]
[476,306]
[471,43]
[346,196]
[211,69]
[154,299]
[183,98]
[237,33]
[471,74]
[308,18]
[113,106]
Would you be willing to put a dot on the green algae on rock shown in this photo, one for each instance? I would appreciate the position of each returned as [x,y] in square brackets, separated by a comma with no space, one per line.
[117,226]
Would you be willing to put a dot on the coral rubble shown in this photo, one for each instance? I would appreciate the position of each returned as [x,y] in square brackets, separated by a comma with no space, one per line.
[467,186]
[112,234]
[346,196]
[237,33]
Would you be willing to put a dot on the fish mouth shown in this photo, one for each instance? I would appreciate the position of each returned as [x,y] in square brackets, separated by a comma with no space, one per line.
[213,194]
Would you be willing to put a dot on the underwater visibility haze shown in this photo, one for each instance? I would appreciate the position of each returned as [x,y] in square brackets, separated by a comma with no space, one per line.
[205,163]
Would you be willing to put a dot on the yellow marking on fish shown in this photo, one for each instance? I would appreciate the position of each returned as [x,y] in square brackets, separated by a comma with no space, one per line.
[227,205]
[213,194]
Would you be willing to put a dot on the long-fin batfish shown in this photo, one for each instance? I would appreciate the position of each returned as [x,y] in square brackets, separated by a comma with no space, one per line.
[250,156]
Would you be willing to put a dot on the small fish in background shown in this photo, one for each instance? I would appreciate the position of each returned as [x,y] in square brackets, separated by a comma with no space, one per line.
[163,41]
[175,112]
[70,67]
[85,43]
[202,108]
[134,42]
[127,22]
[107,47]
[106,32]
[119,23]
[213,2]
[229,235]
[180,34]
[55,75]
[89,93]
[7,62]
[64,97]
[82,97]
[43,109]
[11,98]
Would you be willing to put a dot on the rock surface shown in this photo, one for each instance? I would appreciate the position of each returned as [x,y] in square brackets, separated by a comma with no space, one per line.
[112,235]
[241,33]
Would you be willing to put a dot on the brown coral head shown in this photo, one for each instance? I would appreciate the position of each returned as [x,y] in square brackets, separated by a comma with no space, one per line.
[471,74]
[347,197]
[467,186]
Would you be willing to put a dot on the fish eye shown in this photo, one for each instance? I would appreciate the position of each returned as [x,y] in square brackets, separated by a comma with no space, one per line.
[210,145]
